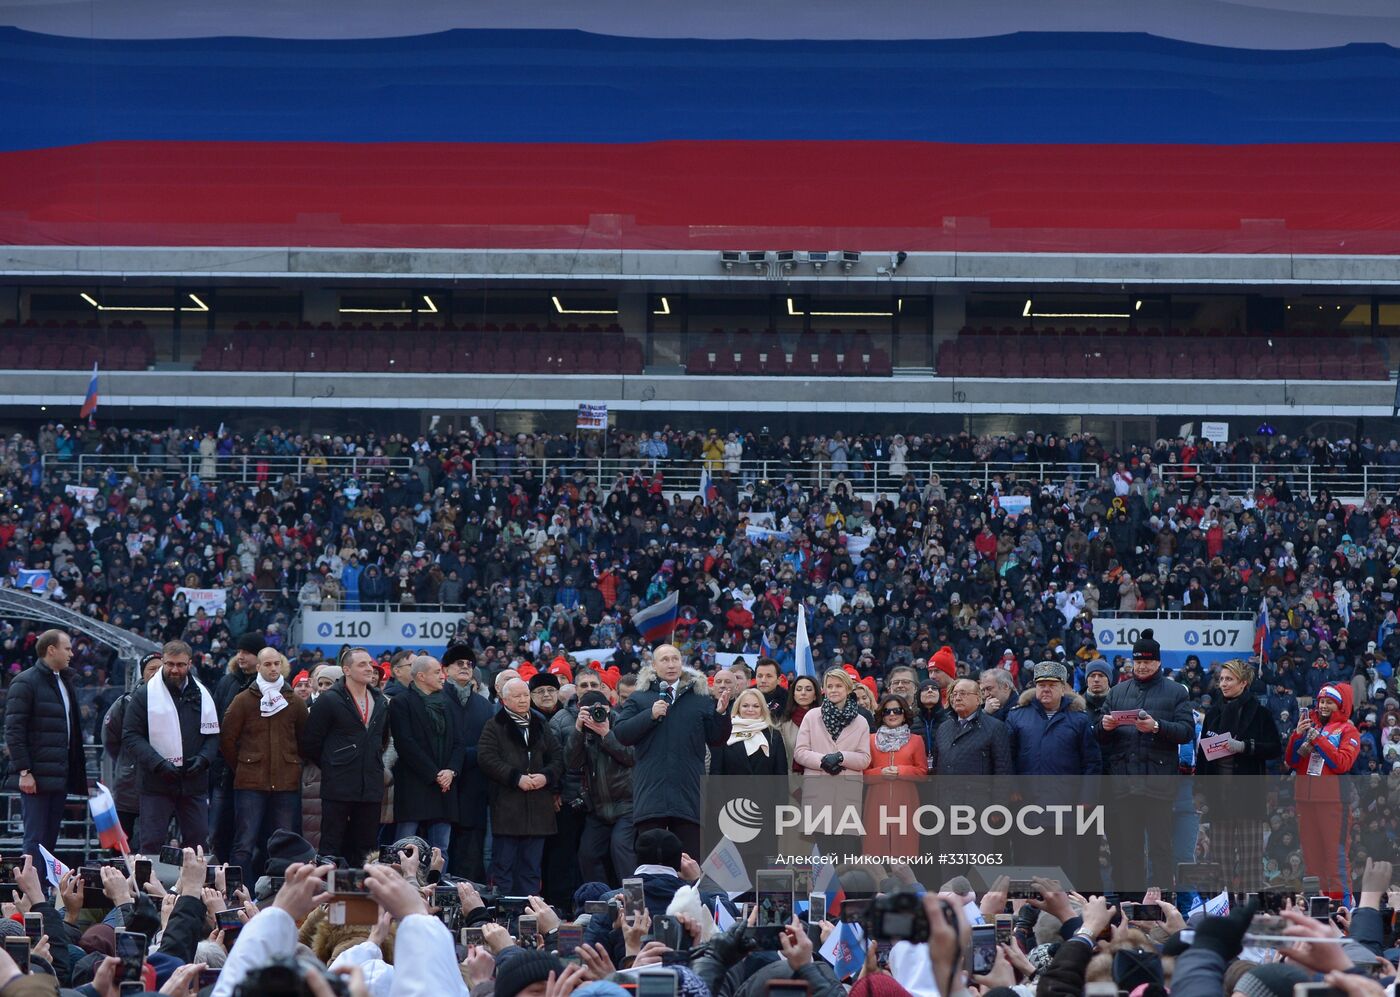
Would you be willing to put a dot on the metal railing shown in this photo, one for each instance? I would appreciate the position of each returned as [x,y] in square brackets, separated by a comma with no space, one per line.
[243,468]
[882,479]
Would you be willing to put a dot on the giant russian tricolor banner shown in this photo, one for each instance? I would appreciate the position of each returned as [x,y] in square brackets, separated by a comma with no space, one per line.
[1194,126]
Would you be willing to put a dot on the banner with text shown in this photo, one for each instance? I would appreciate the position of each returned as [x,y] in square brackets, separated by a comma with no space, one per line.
[1209,640]
[210,600]
[378,632]
[592,416]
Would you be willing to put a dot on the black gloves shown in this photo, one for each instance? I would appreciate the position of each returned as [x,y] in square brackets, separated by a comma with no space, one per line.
[731,945]
[167,770]
[1225,935]
[831,763]
[196,765]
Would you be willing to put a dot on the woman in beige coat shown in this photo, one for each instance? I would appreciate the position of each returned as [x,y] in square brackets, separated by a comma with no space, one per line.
[833,749]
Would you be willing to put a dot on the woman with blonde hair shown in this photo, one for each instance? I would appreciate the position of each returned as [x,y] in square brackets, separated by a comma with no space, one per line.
[833,748]
[1252,740]
[755,745]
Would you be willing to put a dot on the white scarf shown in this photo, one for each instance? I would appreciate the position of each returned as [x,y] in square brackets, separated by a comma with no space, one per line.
[163,721]
[750,730]
[272,702]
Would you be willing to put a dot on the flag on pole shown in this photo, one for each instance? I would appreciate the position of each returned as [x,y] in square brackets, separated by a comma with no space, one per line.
[53,868]
[723,919]
[89,409]
[658,620]
[804,664]
[708,491]
[104,820]
[725,867]
[845,950]
[826,882]
[1261,632]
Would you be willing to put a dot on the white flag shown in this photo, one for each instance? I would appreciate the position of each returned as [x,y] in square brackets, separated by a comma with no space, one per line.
[55,869]
[725,867]
[723,919]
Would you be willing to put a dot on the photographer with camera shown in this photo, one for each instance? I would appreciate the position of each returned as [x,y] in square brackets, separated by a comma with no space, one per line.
[602,768]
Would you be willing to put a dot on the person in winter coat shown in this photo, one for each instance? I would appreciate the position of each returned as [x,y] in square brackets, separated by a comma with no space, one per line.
[119,771]
[259,739]
[1325,745]
[242,673]
[755,747]
[898,762]
[1098,678]
[1050,730]
[929,713]
[1238,843]
[43,734]
[970,742]
[171,730]
[468,845]
[524,763]
[346,734]
[833,748]
[670,720]
[430,749]
[1143,750]
[604,767]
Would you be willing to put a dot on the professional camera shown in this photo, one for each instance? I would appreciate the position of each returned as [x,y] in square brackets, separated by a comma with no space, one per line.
[598,713]
[898,917]
[285,976]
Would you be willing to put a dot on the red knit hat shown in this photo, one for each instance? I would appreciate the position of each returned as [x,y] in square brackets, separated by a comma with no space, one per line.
[945,661]
[302,676]
[560,666]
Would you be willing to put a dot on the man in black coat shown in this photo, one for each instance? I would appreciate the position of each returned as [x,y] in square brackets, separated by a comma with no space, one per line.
[172,763]
[429,746]
[971,742]
[468,845]
[1140,752]
[44,737]
[346,734]
[524,762]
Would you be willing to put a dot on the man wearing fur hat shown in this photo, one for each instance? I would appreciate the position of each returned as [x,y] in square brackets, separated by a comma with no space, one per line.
[670,720]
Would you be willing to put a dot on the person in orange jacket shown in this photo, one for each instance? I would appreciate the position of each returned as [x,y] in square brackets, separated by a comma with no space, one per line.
[1324,746]
[897,764]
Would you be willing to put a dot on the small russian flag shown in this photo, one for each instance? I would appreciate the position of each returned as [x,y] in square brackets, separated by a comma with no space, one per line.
[659,619]
[825,881]
[1261,631]
[89,409]
[104,819]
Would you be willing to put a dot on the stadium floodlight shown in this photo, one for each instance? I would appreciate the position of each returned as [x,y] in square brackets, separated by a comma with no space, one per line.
[729,258]
[759,259]
[818,258]
[786,258]
[849,259]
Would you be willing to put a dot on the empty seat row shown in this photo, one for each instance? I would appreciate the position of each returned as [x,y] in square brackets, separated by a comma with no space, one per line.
[74,347]
[426,325]
[522,353]
[775,362]
[1161,357]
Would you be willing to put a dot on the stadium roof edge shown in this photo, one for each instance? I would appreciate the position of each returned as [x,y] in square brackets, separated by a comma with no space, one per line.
[690,266]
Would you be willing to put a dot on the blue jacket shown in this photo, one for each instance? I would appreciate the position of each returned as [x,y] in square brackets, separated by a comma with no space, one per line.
[1063,744]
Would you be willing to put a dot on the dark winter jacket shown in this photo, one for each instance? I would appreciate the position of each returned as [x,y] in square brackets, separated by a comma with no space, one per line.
[38,736]
[155,774]
[230,684]
[504,756]
[1256,729]
[982,747]
[1062,744]
[605,770]
[417,796]
[733,759]
[125,788]
[349,752]
[1127,752]
[670,752]
[473,711]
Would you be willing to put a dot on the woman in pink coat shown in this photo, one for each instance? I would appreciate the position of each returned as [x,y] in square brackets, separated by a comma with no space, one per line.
[897,763]
[833,749]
